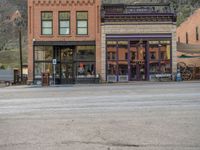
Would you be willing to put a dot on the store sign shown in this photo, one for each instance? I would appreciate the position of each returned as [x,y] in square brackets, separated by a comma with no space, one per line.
[54,62]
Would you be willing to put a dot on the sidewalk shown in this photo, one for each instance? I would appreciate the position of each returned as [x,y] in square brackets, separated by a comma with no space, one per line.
[136,83]
[2,85]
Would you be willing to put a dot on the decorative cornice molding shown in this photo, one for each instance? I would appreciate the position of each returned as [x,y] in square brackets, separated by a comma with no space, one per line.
[63,2]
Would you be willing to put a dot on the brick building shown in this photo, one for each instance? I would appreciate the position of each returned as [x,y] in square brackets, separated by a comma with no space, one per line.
[188,31]
[68,31]
[119,42]
[188,40]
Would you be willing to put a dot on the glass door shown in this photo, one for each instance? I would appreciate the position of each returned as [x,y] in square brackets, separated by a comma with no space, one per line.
[137,61]
[141,62]
[67,65]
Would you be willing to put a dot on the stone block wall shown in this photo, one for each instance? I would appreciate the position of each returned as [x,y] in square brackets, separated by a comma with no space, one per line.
[146,28]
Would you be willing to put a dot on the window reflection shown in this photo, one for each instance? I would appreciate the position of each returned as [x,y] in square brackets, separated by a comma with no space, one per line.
[111,68]
[86,53]
[154,62]
[42,68]
[43,53]
[85,69]
[165,58]
[160,57]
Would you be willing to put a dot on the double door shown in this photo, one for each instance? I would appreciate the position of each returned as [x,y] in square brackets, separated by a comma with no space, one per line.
[138,62]
[65,65]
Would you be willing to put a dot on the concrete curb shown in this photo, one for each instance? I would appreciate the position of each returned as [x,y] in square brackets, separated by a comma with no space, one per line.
[137,83]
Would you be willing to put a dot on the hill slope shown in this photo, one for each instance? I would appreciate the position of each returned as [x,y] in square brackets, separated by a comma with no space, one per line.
[13,16]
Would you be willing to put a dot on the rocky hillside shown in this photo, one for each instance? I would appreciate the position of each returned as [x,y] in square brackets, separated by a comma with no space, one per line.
[13,16]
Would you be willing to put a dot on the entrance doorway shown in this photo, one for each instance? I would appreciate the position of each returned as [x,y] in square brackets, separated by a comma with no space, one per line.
[138,61]
[65,65]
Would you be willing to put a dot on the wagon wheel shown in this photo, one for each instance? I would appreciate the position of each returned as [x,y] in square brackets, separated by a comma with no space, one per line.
[187,75]
[191,66]
[182,66]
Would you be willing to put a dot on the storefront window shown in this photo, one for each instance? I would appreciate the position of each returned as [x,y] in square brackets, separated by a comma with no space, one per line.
[43,53]
[111,68]
[112,58]
[154,62]
[111,50]
[123,58]
[85,69]
[66,55]
[160,57]
[86,57]
[42,68]
[117,61]
[85,53]
[165,58]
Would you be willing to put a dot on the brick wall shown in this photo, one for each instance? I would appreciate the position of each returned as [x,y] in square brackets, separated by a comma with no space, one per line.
[34,24]
[189,26]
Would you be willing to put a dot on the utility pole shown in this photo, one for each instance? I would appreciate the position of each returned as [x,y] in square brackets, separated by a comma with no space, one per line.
[20,51]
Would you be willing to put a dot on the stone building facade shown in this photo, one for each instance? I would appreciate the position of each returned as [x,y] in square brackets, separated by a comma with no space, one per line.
[140,29]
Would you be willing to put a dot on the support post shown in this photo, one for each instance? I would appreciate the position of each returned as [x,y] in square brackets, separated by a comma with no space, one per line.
[20,51]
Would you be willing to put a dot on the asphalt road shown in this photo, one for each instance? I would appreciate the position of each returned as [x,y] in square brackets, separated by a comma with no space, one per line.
[140,116]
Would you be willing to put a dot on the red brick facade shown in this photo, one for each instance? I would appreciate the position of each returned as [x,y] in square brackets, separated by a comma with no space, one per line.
[189,33]
[35,7]
[191,27]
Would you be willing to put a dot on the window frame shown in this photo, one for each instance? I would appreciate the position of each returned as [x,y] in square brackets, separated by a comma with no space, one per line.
[77,20]
[59,22]
[42,33]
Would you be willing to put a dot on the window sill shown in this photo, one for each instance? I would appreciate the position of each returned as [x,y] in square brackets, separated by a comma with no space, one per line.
[82,35]
[47,36]
[64,36]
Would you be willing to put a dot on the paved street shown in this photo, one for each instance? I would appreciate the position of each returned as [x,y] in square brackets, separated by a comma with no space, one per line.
[138,116]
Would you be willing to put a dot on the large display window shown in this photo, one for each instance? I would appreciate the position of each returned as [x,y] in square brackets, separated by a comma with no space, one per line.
[43,53]
[129,60]
[43,56]
[73,62]
[85,57]
[42,67]
[159,56]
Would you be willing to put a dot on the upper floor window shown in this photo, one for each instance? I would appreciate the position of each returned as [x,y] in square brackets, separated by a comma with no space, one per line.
[47,23]
[197,33]
[82,23]
[64,23]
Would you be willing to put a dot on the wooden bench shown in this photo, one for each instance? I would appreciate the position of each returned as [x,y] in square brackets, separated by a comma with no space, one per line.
[160,77]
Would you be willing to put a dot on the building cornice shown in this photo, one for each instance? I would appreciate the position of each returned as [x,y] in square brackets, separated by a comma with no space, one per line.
[63,2]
